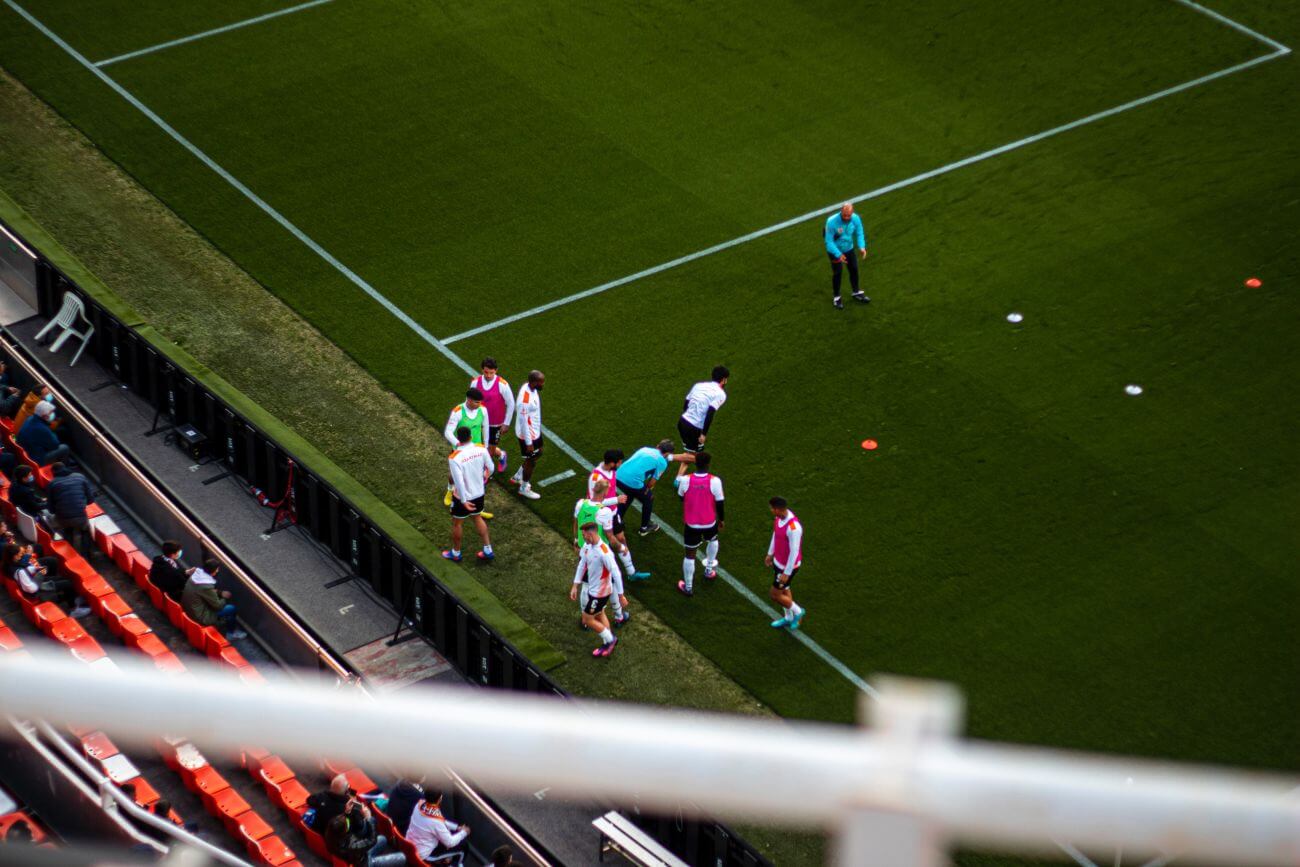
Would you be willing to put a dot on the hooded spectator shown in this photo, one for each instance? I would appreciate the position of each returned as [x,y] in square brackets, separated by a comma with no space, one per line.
[24,494]
[402,800]
[208,606]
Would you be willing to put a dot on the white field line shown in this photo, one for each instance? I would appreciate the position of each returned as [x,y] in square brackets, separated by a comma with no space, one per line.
[1280,50]
[1075,855]
[441,346]
[1236,25]
[392,308]
[558,477]
[213,32]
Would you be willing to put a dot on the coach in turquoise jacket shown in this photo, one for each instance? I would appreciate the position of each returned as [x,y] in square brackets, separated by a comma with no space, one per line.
[846,242]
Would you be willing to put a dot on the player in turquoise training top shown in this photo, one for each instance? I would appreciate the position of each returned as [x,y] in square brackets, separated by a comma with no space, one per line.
[845,242]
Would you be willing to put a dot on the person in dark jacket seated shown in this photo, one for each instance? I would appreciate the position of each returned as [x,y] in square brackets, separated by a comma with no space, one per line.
[351,837]
[69,494]
[23,493]
[10,397]
[39,583]
[38,439]
[166,573]
[401,802]
[332,802]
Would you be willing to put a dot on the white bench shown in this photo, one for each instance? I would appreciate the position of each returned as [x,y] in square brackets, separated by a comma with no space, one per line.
[618,834]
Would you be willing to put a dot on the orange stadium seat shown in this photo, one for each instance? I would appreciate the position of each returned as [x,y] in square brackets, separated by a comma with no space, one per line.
[175,613]
[139,571]
[274,771]
[45,615]
[269,850]
[213,642]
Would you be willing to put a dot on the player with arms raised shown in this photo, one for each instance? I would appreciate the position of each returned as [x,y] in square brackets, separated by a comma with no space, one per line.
[785,556]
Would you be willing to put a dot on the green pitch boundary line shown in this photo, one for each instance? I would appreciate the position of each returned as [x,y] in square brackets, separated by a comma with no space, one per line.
[213,32]
[1279,50]
[441,346]
[392,308]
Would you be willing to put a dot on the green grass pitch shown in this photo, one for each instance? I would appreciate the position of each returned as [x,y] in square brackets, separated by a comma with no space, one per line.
[1094,570]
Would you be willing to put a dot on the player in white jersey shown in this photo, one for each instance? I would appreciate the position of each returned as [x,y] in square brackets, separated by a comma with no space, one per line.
[470,466]
[607,471]
[601,510]
[528,428]
[597,569]
[701,404]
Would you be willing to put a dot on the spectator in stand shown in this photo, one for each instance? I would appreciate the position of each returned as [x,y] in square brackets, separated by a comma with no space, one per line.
[430,831]
[357,842]
[69,494]
[504,856]
[10,398]
[334,801]
[19,833]
[38,582]
[167,573]
[30,402]
[401,802]
[24,494]
[38,439]
[207,605]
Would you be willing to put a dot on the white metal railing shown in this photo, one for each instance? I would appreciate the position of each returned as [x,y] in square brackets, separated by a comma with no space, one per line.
[898,793]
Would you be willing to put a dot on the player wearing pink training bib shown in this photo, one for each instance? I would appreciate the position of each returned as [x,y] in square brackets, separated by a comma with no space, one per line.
[785,556]
[500,403]
[702,512]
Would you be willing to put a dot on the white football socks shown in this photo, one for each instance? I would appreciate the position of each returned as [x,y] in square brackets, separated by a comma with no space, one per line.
[606,636]
[625,557]
[711,554]
[688,571]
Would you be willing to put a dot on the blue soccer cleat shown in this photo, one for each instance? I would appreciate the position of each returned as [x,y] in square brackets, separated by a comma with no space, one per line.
[455,558]
[798,619]
[780,622]
[639,576]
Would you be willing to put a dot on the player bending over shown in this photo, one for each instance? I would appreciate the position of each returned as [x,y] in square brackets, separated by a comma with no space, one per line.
[785,555]
[638,475]
[702,402]
[596,569]
[702,510]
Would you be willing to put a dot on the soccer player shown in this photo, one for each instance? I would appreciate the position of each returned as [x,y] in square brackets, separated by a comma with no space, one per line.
[607,471]
[702,402]
[785,555]
[596,568]
[845,243]
[637,477]
[500,403]
[470,466]
[702,510]
[528,428]
[601,511]
[472,416]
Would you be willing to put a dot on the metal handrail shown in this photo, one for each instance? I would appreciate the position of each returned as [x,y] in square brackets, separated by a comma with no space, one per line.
[109,793]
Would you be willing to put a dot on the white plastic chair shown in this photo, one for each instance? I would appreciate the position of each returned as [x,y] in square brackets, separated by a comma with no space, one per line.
[67,319]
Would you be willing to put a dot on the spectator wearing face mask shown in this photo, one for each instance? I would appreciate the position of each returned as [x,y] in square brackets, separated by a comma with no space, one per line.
[24,494]
[38,582]
[37,436]
[29,403]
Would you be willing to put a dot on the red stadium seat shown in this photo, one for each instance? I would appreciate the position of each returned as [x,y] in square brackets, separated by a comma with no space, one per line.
[94,510]
[269,850]
[169,662]
[110,608]
[45,615]
[123,548]
[9,640]
[145,794]
[251,826]
[213,642]
[203,779]
[226,804]
[274,771]
[140,566]
[147,643]
[86,649]
[155,595]
[290,796]
[250,674]
[360,782]
[175,613]
[92,585]
[193,631]
[231,656]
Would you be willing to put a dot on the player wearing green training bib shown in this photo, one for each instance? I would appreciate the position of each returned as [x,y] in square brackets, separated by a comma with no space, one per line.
[473,416]
[601,513]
